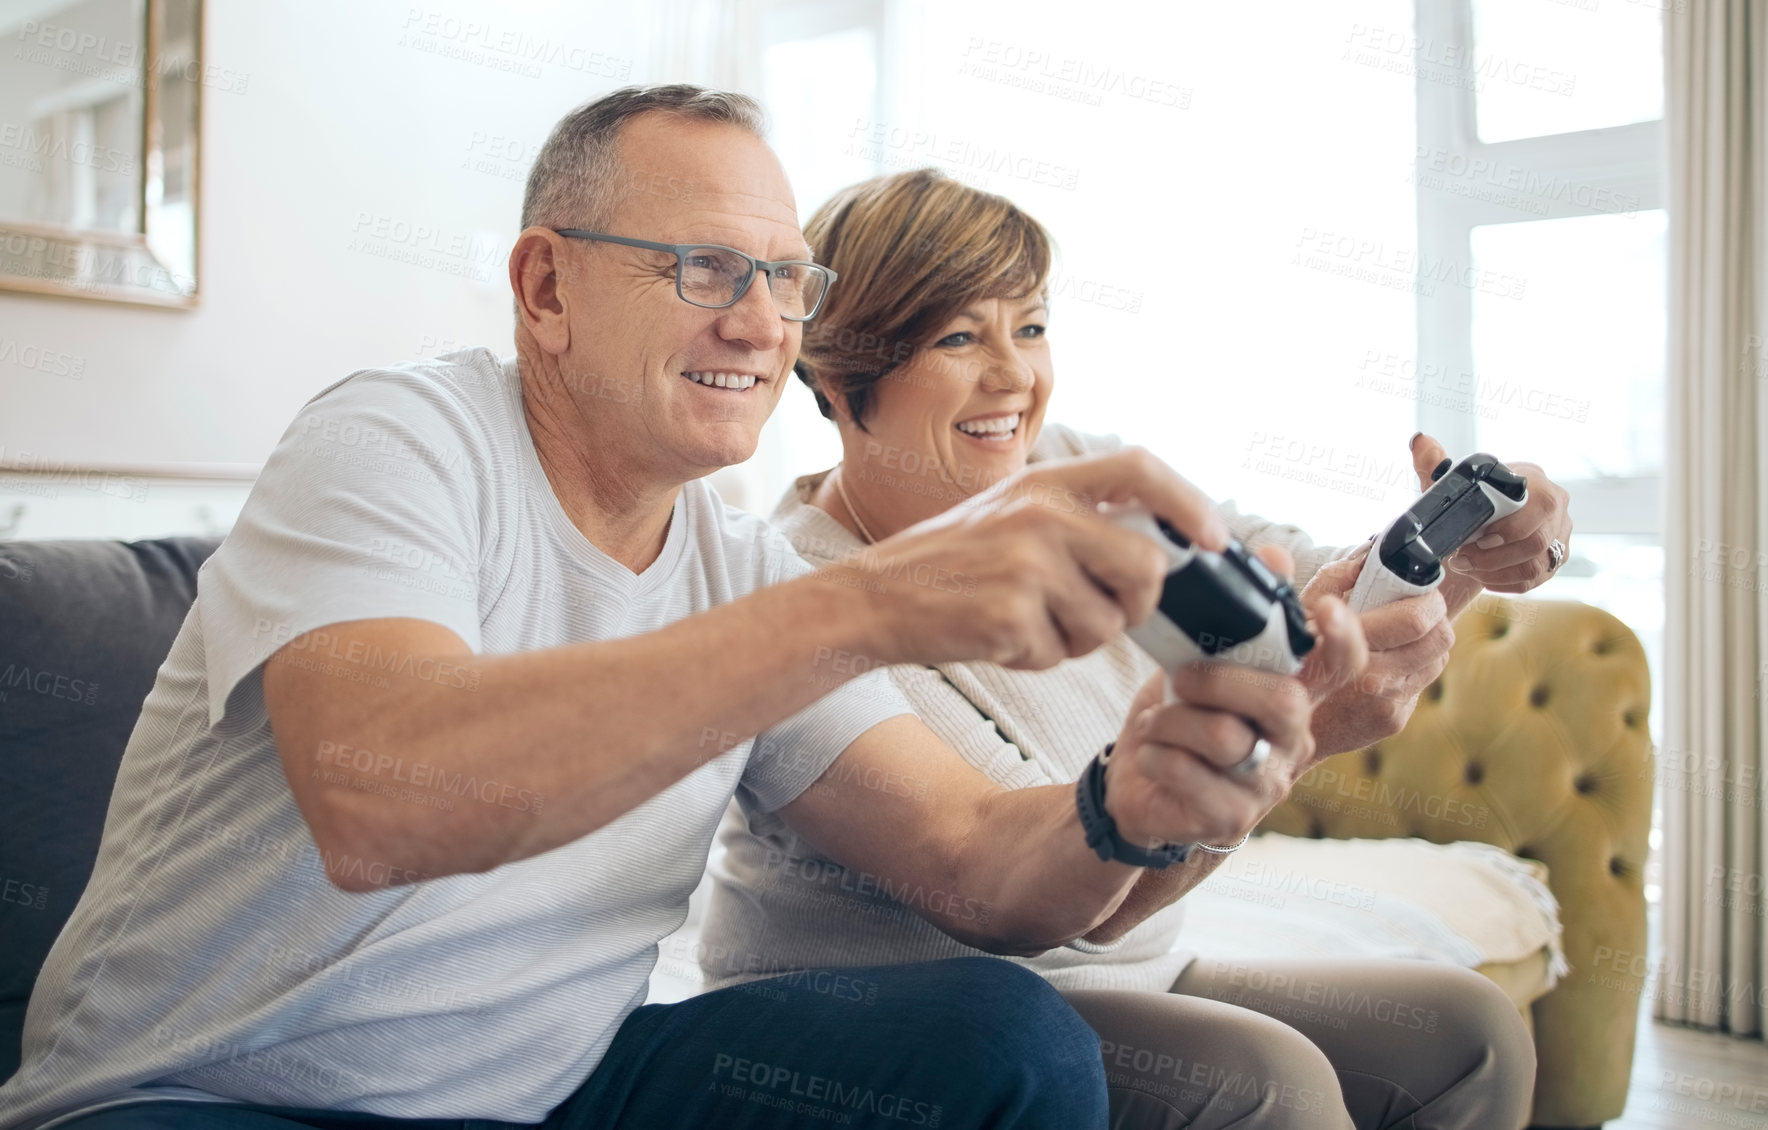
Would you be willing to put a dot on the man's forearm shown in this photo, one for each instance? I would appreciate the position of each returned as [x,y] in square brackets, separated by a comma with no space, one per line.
[572,736]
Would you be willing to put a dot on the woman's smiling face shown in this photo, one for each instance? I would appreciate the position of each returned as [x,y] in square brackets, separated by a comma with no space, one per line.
[969,404]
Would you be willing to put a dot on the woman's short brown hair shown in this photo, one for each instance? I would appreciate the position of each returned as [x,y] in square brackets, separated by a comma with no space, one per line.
[911,250]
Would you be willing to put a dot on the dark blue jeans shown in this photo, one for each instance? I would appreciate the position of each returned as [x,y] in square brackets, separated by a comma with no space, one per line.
[955,1045]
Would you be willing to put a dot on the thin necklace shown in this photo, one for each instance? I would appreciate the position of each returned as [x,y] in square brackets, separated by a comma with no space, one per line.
[841,489]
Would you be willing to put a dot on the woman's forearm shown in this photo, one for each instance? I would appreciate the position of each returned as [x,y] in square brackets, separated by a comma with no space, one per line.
[1155,891]
[1027,859]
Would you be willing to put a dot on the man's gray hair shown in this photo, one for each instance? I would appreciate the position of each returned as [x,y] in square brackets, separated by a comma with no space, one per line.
[576,180]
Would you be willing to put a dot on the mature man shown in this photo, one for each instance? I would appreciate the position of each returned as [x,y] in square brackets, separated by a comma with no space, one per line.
[436,759]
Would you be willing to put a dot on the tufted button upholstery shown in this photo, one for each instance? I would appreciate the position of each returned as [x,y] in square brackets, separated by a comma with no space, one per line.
[1535,739]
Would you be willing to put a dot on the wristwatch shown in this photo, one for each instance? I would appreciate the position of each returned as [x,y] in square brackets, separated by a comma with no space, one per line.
[1101,829]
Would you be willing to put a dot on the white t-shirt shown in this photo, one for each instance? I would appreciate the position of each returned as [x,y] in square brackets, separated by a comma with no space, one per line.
[210,955]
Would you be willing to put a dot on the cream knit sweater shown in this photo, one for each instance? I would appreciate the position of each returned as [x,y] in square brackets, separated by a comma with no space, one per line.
[779,906]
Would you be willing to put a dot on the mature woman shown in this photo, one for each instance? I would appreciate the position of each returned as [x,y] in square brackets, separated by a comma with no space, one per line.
[931,360]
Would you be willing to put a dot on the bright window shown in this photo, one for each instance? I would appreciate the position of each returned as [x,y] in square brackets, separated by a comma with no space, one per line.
[1574,372]
[818,87]
[1235,262]
[1285,244]
[1556,66]
[1555,353]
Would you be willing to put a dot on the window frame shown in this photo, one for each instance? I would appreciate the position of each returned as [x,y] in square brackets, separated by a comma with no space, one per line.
[1626,160]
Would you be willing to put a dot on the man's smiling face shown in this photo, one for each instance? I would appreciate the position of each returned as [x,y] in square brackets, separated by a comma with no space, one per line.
[708,183]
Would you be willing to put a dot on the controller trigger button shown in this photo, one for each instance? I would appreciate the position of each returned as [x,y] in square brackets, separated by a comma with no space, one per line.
[1441,469]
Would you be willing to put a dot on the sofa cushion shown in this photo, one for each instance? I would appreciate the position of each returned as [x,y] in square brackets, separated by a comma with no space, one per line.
[84,627]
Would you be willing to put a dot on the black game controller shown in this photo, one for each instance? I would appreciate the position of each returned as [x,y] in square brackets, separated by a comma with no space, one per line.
[1226,606]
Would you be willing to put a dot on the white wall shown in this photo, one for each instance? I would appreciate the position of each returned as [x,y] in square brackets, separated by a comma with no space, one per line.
[349,110]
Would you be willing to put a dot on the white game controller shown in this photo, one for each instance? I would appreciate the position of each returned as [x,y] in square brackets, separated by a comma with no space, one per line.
[1408,559]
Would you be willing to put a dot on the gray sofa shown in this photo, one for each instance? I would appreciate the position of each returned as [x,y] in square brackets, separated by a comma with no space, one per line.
[84,627]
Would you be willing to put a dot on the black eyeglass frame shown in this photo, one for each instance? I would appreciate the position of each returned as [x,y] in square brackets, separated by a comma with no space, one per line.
[680,249]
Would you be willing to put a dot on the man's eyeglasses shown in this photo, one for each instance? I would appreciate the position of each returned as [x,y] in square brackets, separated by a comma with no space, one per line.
[715,277]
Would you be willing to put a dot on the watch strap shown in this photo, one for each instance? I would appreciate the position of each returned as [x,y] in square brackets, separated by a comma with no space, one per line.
[1101,829]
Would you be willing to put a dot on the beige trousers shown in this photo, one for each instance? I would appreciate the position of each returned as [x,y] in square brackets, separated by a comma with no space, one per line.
[1323,1045]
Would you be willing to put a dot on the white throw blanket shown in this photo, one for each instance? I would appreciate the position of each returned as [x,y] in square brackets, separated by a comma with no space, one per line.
[1282,898]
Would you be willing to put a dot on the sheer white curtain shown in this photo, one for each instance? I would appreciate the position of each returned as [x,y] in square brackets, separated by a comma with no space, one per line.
[714,43]
[1715,966]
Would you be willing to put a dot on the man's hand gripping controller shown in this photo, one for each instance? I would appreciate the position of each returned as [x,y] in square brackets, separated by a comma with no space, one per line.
[1228,607]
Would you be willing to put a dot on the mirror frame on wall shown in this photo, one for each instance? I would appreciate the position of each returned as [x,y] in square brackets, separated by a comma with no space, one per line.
[111,266]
